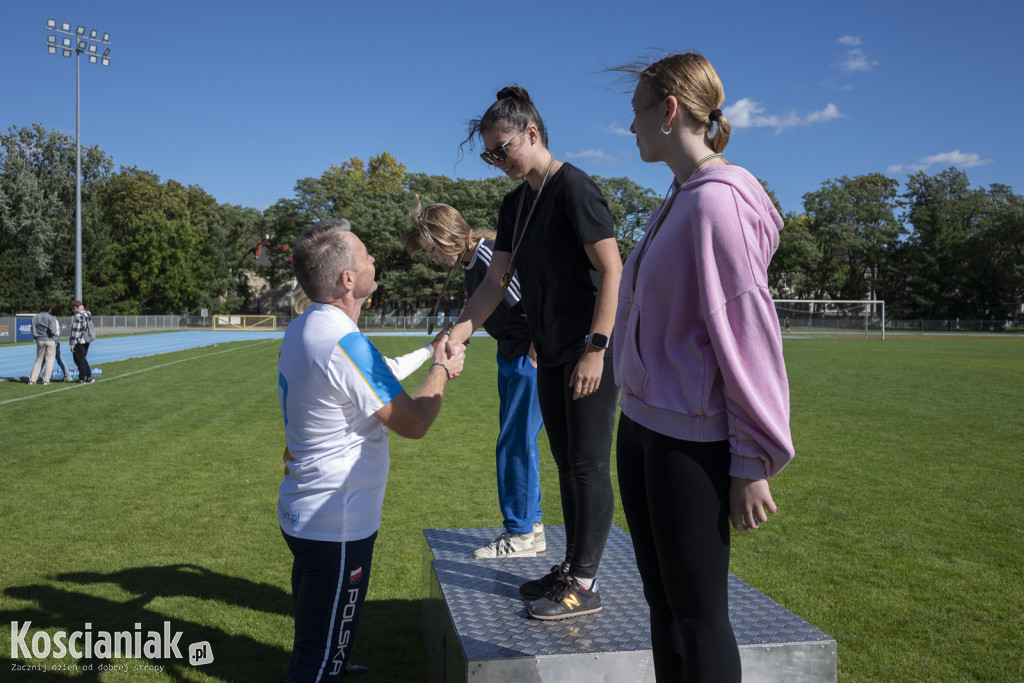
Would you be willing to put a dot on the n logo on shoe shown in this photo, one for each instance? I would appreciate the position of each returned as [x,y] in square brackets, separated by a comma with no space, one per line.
[572,602]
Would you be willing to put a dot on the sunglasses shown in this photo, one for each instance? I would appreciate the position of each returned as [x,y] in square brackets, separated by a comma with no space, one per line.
[499,153]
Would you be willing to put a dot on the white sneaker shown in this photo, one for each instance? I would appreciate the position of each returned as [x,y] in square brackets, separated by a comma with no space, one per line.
[540,544]
[508,545]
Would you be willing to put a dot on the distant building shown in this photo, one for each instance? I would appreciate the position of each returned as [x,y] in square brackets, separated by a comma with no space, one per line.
[266,298]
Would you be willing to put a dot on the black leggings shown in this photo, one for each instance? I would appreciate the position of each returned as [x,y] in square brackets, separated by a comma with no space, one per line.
[580,434]
[676,498]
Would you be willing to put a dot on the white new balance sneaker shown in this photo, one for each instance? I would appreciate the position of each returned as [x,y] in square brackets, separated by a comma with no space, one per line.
[540,544]
[508,545]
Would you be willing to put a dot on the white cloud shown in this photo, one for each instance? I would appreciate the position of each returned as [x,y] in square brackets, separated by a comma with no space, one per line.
[746,113]
[852,41]
[616,129]
[856,60]
[596,155]
[900,168]
[827,114]
[954,158]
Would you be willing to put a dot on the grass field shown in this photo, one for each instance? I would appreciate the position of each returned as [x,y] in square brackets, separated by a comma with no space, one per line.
[150,497]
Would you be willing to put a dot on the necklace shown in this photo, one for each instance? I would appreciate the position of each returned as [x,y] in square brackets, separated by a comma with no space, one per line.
[506,279]
[447,281]
[667,206]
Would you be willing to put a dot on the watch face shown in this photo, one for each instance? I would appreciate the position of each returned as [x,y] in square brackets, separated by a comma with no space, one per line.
[597,340]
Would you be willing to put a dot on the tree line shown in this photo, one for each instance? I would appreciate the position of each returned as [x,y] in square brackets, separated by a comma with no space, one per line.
[937,249]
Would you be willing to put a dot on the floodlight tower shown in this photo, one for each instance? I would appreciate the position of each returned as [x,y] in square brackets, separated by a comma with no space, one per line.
[78,42]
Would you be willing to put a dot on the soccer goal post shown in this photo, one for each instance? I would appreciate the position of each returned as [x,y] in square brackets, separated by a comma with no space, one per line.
[831,316]
[245,322]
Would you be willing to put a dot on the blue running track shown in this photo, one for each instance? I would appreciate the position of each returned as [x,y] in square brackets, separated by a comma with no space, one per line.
[16,361]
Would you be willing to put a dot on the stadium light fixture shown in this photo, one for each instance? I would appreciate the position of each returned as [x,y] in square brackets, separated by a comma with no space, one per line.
[83,43]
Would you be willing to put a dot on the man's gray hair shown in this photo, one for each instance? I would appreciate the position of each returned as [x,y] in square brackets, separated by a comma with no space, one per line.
[321,254]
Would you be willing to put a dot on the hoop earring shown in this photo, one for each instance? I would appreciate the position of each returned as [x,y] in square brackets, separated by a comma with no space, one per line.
[666,132]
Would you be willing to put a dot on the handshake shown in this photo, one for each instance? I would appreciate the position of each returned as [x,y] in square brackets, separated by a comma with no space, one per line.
[449,355]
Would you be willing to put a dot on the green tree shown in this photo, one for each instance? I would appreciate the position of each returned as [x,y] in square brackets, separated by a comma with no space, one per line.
[853,222]
[793,267]
[999,253]
[631,206]
[37,213]
[946,215]
[384,175]
[158,259]
[225,233]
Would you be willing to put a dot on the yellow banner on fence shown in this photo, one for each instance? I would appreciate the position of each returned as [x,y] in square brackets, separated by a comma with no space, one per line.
[245,322]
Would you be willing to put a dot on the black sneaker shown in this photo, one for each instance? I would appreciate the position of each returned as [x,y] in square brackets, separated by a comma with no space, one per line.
[533,590]
[565,600]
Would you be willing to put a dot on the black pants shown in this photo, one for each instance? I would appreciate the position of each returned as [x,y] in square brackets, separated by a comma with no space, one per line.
[79,353]
[676,498]
[580,434]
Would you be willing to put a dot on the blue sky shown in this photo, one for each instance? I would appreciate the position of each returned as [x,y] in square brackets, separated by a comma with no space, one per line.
[243,99]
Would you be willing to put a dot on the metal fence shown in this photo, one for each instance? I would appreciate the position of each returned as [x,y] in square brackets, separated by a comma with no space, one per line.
[125,324]
[129,324]
[135,324]
[857,323]
[955,326]
[404,323]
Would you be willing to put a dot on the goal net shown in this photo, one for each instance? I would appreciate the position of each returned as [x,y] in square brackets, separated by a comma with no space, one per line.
[831,316]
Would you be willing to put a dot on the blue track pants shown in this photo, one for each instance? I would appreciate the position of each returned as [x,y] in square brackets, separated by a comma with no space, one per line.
[518,461]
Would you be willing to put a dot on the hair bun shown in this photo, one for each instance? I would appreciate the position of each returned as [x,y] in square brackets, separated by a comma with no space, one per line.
[514,92]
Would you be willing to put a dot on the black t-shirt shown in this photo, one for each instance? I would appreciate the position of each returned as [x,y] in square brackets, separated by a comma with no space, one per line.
[508,322]
[558,282]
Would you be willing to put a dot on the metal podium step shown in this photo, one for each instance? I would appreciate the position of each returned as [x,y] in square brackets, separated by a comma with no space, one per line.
[476,629]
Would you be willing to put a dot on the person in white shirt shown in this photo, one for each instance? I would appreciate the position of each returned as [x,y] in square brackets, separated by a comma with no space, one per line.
[338,399]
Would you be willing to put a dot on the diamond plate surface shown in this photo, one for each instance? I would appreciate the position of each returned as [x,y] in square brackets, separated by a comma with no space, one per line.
[482,598]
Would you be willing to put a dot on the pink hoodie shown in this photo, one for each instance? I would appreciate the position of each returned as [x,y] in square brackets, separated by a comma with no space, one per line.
[698,350]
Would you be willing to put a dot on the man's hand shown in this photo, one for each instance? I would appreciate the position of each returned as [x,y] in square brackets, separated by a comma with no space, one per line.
[449,354]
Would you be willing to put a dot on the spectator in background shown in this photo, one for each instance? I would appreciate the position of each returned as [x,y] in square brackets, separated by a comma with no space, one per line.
[45,331]
[81,336]
[60,361]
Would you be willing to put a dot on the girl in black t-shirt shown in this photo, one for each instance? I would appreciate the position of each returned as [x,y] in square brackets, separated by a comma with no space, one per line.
[555,232]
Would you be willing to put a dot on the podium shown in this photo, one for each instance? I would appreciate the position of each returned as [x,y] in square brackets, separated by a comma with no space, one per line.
[476,629]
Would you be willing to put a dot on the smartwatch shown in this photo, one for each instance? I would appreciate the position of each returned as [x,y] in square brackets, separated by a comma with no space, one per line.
[598,341]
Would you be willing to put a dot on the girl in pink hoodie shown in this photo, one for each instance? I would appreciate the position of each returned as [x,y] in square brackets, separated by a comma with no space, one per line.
[698,359]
